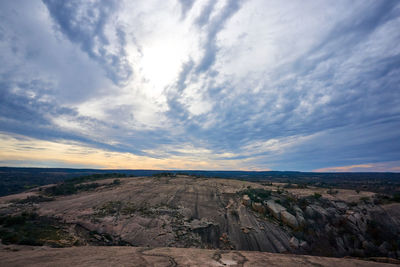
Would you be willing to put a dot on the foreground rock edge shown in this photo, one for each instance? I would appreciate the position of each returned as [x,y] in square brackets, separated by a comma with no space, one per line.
[144,256]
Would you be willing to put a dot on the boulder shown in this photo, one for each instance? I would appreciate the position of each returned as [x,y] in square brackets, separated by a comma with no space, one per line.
[300,219]
[297,209]
[274,208]
[246,200]
[341,206]
[322,213]
[328,228]
[310,212]
[198,224]
[294,243]
[340,244]
[258,207]
[384,248]
[304,245]
[289,219]
[368,245]
[332,212]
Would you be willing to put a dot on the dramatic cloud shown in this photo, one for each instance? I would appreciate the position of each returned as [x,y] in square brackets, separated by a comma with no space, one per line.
[293,85]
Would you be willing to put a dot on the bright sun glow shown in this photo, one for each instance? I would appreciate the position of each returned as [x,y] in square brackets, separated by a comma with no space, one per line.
[162,62]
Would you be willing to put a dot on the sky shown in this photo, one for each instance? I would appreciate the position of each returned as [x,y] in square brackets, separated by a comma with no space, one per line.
[201,84]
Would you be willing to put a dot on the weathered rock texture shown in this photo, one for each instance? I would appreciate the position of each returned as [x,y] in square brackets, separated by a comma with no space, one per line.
[137,256]
[187,212]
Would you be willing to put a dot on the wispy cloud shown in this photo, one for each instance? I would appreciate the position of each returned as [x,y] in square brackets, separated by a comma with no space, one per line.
[205,84]
[392,166]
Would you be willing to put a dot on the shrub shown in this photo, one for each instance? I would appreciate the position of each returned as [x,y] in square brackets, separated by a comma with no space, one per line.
[332,192]
[109,208]
[28,229]
[94,177]
[256,194]
[352,204]
[69,189]
[317,195]
[234,213]
[396,197]
[33,199]
[365,199]
[303,203]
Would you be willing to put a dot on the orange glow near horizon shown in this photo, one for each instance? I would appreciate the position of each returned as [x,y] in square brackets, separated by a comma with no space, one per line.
[74,154]
[391,166]
[20,151]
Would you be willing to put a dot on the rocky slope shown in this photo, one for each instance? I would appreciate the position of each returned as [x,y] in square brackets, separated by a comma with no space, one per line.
[187,212]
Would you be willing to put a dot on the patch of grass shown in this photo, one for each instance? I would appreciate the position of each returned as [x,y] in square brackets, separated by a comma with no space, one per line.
[114,208]
[74,185]
[128,208]
[33,199]
[69,189]
[30,229]
[109,208]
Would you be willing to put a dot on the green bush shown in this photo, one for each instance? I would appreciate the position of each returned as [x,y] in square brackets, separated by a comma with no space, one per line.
[94,177]
[317,195]
[109,208]
[365,199]
[33,199]
[69,189]
[256,194]
[396,197]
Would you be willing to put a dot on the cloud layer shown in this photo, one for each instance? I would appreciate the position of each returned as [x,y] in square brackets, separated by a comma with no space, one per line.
[229,84]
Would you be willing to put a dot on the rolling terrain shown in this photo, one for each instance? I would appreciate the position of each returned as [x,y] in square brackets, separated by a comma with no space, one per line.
[182,214]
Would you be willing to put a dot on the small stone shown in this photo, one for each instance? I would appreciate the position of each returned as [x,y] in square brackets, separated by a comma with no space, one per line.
[258,207]
[246,200]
